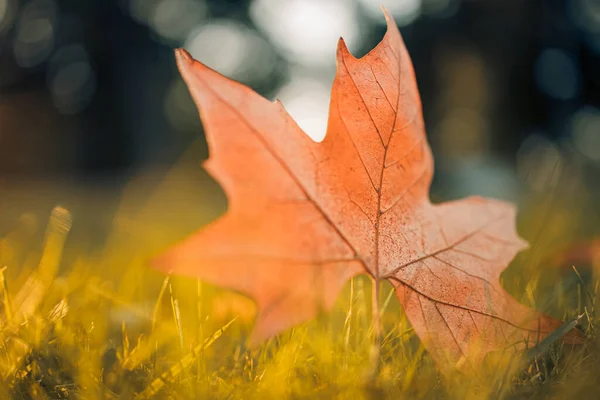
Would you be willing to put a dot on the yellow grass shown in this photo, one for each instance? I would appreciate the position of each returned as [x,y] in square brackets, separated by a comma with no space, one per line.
[103,325]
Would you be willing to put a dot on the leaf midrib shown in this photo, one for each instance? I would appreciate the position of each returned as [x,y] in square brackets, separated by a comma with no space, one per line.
[357,256]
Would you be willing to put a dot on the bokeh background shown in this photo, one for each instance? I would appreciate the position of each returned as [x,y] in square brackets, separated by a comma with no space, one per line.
[95,118]
[91,101]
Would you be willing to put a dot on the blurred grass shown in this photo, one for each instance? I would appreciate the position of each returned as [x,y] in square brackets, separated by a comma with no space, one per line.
[95,322]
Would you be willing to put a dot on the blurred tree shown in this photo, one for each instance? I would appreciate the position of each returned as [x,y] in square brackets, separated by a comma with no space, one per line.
[537,65]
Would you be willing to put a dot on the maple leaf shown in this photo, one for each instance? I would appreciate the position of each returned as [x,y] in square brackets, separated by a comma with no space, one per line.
[304,217]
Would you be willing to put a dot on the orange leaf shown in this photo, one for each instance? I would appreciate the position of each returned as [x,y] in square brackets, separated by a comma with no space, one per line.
[304,217]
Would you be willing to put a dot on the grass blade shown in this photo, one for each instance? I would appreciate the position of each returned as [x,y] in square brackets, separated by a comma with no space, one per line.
[171,374]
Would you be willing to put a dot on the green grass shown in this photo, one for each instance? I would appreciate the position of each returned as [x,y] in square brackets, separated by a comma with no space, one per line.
[78,321]
[78,335]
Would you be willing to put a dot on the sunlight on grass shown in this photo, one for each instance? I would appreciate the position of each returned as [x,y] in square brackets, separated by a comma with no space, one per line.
[106,326]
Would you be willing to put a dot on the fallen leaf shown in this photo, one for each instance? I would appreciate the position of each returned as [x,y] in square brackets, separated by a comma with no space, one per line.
[304,217]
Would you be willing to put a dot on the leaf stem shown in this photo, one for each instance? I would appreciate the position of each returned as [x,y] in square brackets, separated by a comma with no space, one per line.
[377,330]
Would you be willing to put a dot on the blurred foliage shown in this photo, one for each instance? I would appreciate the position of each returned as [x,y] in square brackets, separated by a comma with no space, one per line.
[100,77]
